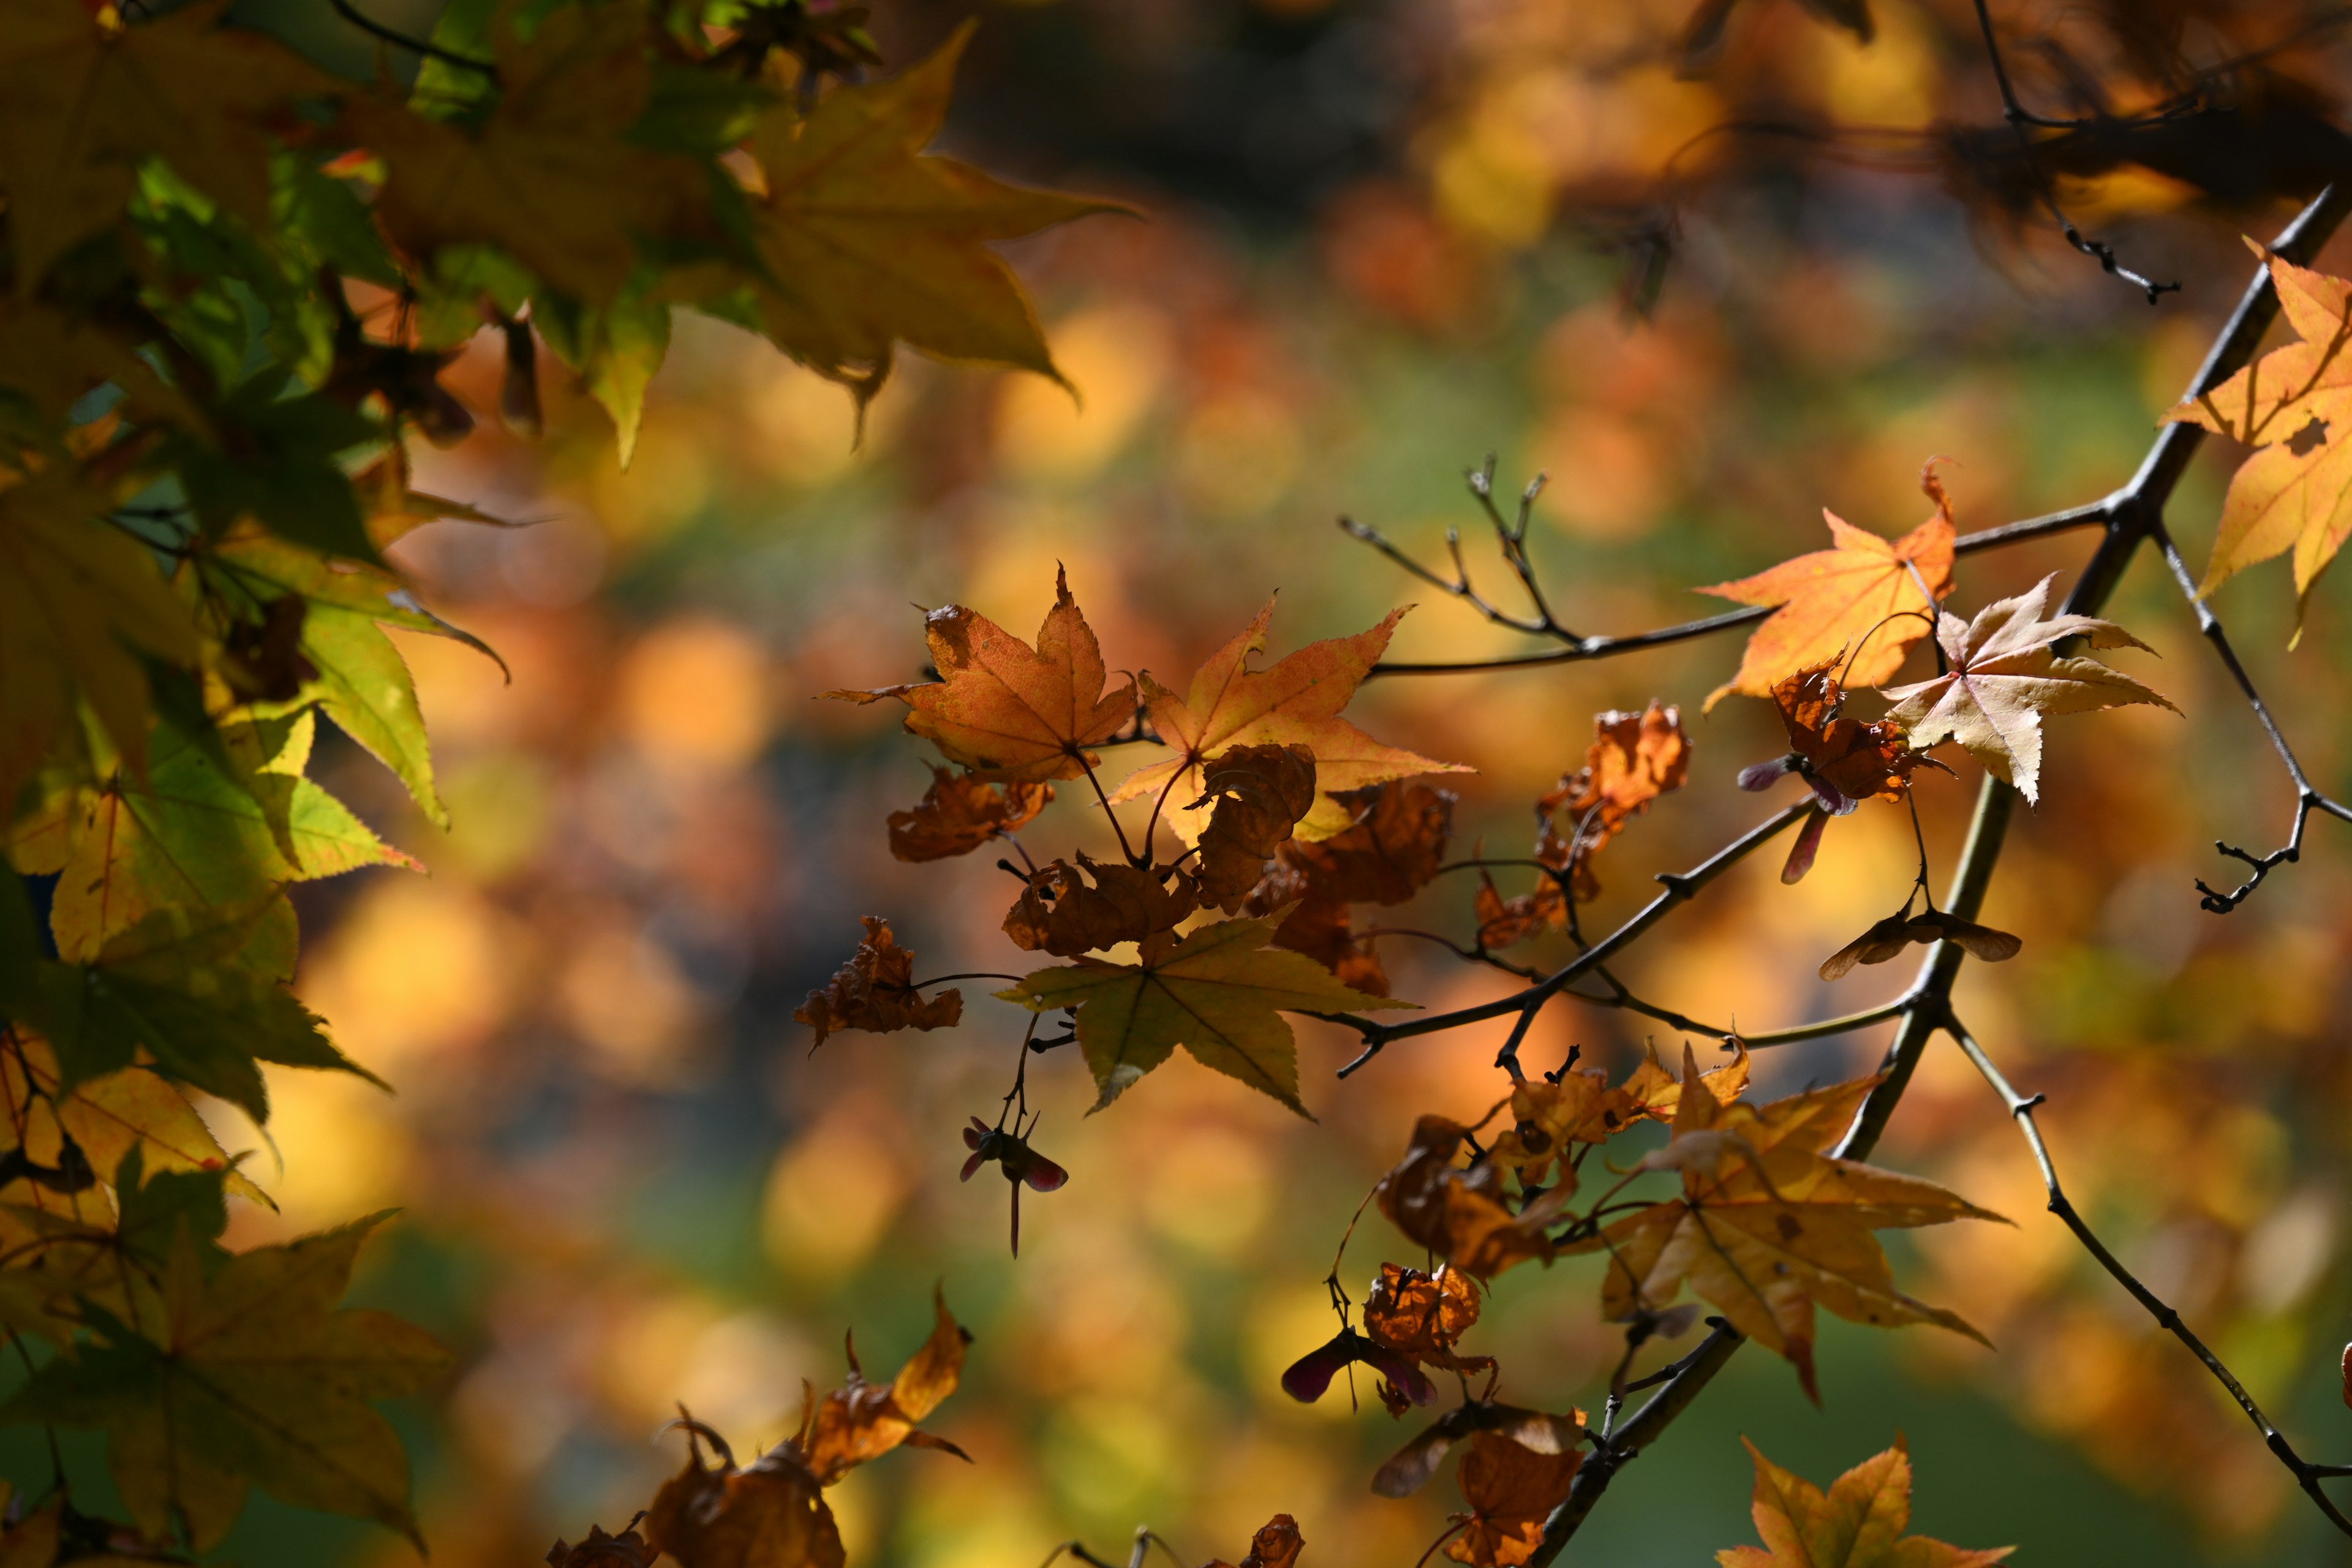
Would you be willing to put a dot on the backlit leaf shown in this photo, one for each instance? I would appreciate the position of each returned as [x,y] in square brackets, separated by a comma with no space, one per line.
[1858,1523]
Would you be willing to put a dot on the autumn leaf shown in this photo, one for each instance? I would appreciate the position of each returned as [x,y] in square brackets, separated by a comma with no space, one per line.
[960,812]
[614,348]
[874,990]
[1294,702]
[598,1550]
[1828,602]
[550,175]
[1846,761]
[1389,852]
[250,1378]
[1547,1118]
[1458,1214]
[1511,1490]
[1060,914]
[1652,1093]
[89,98]
[1424,1315]
[1276,1544]
[1219,993]
[867,243]
[2294,404]
[861,1420]
[79,605]
[1010,712]
[1408,1469]
[770,1515]
[105,1118]
[1258,792]
[1857,1525]
[1769,1226]
[223,818]
[2004,678]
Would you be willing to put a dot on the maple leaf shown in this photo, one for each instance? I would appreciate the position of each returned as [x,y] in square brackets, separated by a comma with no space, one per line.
[1846,761]
[79,604]
[1830,600]
[1652,1093]
[250,1378]
[1259,794]
[861,1421]
[1008,712]
[2004,678]
[598,1550]
[2294,404]
[1059,913]
[1857,1525]
[1423,1315]
[1548,1118]
[874,990]
[1389,852]
[105,1118]
[550,175]
[223,818]
[960,812]
[1459,1215]
[1511,1490]
[89,98]
[1408,1469]
[1294,702]
[1276,1544]
[355,674]
[614,348]
[867,243]
[1219,993]
[1769,1226]
[770,1515]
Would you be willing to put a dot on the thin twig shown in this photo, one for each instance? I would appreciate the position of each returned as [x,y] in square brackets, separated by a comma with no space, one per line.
[369,24]
[2022,1108]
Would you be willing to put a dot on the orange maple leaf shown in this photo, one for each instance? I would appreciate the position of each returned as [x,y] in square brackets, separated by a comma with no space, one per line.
[1010,712]
[1858,1523]
[1295,702]
[1830,600]
[1511,1490]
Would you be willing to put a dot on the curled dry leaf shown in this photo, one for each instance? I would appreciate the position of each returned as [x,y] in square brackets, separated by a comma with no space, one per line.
[1009,711]
[1830,600]
[1388,853]
[874,990]
[1890,936]
[2295,404]
[1511,1490]
[1306,1379]
[1548,1117]
[861,1421]
[1220,993]
[1769,1226]
[598,1550]
[1408,1469]
[1633,759]
[1296,701]
[1275,1545]
[772,1515]
[1857,1525]
[1259,794]
[2003,680]
[1424,1315]
[960,812]
[1846,761]
[1060,914]
[1459,1215]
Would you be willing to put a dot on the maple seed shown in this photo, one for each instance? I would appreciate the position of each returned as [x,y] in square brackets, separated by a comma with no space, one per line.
[1310,1375]
[1019,1163]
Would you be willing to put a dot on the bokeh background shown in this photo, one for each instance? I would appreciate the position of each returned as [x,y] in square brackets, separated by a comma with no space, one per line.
[1381,238]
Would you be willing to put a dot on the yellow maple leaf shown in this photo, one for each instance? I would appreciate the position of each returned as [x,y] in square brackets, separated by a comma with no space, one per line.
[1295,702]
[1858,1523]
[78,601]
[1830,600]
[1219,993]
[1769,1228]
[868,243]
[84,101]
[2294,404]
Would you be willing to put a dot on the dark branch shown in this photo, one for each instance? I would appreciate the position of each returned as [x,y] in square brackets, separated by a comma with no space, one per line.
[373,28]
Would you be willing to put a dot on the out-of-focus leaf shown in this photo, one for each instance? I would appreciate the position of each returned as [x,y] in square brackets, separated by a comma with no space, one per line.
[1858,1523]
[614,348]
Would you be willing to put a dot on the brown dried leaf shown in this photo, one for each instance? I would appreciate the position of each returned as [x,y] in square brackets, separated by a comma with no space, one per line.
[1651,1093]
[960,812]
[1459,1215]
[626,1550]
[874,990]
[861,1421]
[769,1516]
[1275,1545]
[1511,1490]
[1548,1117]
[1061,915]
[1260,791]
[1859,761]
[1424,1315]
